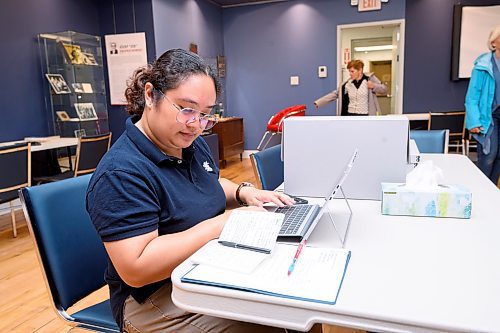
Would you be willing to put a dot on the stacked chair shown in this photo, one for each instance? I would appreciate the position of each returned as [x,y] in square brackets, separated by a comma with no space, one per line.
[275,124]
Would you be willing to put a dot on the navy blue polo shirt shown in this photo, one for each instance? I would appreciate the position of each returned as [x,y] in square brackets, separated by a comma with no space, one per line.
[137,189]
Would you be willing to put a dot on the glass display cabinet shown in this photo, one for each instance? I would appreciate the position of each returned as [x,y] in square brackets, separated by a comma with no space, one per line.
[75,96]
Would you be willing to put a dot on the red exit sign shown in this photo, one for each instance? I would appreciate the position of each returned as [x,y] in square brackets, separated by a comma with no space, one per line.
[366,5]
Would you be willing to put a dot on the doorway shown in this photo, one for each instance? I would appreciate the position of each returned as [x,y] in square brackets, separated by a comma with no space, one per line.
[380,45]
[383,70]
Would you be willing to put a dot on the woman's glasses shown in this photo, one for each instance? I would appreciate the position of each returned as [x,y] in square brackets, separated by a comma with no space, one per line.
[187,115]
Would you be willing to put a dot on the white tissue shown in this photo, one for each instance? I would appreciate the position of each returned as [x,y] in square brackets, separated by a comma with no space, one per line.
[425,176]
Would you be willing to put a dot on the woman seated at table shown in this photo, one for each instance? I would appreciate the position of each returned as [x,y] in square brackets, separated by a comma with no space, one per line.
[156,197]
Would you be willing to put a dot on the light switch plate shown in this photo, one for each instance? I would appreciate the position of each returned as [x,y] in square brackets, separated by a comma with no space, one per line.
[294,80]
[322,71]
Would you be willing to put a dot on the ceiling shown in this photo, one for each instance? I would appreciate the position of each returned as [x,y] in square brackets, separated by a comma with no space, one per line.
[234,3]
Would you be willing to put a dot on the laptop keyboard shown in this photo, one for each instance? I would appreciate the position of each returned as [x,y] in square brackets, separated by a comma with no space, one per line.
[294,216]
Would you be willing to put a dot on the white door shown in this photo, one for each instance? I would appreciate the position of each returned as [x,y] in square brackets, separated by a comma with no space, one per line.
[377,44]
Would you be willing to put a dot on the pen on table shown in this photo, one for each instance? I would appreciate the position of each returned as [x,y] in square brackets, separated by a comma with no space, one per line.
[242,246]
[296,256]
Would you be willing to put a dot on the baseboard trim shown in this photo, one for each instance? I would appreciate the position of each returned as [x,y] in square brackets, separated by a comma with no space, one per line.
[246,153]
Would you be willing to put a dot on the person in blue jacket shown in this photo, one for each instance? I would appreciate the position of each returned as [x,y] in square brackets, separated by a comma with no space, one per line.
[482,105]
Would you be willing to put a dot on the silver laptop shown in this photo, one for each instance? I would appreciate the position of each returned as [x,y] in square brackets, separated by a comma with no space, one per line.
[300,220]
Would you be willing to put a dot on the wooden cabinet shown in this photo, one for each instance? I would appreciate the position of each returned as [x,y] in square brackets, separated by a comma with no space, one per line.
[231,142]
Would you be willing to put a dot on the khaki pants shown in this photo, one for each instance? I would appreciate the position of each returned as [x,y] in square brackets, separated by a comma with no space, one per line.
[159,314]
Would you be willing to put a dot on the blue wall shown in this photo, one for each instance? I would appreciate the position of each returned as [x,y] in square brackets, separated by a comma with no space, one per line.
[168,24]
[265,44]
[177,23]
[428,85]
[22,91]
[120,17]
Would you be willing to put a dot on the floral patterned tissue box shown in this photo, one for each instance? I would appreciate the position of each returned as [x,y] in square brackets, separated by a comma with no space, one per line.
[442,201]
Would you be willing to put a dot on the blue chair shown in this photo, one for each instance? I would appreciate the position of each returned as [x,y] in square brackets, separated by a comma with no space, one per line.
[70,252]
[454,122]
[268,167]
[432,141]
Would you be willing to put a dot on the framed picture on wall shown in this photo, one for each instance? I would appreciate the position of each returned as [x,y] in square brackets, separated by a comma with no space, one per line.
[85,111]
[58,84]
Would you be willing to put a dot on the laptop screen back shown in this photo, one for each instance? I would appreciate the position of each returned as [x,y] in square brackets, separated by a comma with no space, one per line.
[315,148]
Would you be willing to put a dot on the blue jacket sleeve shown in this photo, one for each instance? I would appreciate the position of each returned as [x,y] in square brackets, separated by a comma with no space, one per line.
[472,99]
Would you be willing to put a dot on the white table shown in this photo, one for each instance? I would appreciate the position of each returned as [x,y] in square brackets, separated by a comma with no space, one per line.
[46,143]
[417,116]
[406,274]
[55,143]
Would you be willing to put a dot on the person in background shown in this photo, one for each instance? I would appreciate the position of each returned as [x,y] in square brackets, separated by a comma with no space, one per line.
[156,196]
[482,107]
[358,94]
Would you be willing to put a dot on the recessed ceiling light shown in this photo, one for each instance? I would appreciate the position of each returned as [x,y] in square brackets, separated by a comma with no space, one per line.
[373,48]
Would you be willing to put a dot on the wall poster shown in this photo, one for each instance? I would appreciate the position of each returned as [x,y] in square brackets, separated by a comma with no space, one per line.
[124,53]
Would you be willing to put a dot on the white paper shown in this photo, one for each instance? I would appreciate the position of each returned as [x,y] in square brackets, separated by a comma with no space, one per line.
[317,275]
[252,228]
[125,53]
[230,258]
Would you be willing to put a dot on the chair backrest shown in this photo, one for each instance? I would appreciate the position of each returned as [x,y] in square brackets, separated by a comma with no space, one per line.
[268,167]
[276,122]
[70,251]
[89,152]
[452,121]
[433,141]
[15,170]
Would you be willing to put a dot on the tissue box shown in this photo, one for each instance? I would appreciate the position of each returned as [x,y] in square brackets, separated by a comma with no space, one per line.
[443,201]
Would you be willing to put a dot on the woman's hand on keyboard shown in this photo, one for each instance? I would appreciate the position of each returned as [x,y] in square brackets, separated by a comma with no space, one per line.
[256,197]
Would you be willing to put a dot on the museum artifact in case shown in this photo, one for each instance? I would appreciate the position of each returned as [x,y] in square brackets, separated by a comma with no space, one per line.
[75,96]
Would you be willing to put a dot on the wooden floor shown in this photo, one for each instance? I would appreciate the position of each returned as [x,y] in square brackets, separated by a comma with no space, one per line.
[24,301]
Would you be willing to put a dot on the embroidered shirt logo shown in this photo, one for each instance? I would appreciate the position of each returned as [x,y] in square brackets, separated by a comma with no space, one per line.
[207,166]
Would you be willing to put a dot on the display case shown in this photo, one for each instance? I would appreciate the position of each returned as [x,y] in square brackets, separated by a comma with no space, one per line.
[73,74]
